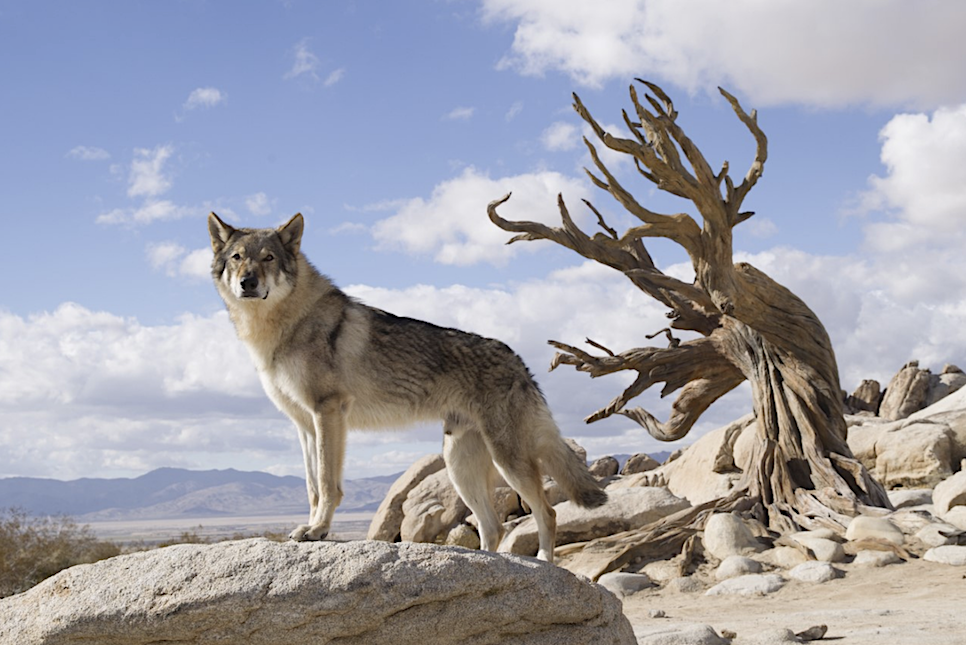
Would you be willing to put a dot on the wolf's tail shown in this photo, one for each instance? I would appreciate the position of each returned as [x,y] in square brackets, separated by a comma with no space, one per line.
[569,472]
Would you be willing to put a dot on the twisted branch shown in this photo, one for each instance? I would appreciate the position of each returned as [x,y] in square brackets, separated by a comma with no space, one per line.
[696,367]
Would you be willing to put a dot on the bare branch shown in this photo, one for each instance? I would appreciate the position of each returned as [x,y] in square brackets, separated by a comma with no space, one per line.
[696,367]
[594,343]
[694,309]
[761,154]
[600,220]
[671,340]
[679,228]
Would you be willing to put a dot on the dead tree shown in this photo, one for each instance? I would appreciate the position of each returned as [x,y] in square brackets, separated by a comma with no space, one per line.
[748,327]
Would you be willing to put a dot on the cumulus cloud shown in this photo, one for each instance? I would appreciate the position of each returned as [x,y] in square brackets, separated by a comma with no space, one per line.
[204,97]
[177,261]
[148,180]
[147,177]
[560,136]
[452,225]
[151,210]
[514,110]
[89,153]
[922,192]
[86,392]
[824,53]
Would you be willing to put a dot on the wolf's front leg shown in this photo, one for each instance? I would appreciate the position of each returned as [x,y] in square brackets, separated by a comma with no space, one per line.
[310,454]
[330,441]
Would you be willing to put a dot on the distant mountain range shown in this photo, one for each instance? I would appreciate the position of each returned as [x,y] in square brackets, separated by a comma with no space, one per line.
[177,493]
[168,493]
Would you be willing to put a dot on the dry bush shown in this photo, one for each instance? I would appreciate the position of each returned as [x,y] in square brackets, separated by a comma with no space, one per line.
[35,548]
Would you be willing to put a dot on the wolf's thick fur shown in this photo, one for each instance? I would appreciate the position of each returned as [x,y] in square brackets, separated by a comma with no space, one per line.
[331,363]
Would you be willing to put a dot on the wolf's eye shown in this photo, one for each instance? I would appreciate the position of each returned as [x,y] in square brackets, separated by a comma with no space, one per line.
[269,257]
[236,257]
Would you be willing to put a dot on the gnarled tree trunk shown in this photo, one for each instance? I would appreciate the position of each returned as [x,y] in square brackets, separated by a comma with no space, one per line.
[750,328]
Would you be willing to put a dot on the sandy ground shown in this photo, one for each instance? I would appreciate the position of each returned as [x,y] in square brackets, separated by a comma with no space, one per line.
[914,603]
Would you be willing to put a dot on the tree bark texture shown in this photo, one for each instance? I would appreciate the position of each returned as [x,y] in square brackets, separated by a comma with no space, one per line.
[748,326]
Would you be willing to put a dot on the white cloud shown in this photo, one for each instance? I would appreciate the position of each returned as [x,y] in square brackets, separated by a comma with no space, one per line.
[460,114]
[177,261]
[151,210]
[560,136]
[824,52]
[453,227]
[147,177]
[923,190]
[86,392]
[204,97]
[89,153]
[334,77]
[258,204]
[348,227]
[762,227]
[306,63]
[514,110]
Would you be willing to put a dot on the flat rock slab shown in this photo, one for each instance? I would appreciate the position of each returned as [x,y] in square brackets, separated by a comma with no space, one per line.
[678,634]
[954,555]
[260,592]
[624,584]
[815,572]
[751,585]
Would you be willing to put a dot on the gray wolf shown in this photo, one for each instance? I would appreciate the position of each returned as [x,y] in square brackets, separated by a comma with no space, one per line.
[331,363]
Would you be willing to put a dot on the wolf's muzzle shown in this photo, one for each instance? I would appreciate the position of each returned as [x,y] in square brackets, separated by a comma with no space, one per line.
[249,285]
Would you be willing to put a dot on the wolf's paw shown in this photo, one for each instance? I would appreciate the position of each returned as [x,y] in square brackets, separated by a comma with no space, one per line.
[307,533]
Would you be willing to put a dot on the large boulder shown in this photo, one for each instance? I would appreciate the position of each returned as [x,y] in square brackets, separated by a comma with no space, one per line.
[866,397]
[431,509]
[259,592]
[387,522]
[604,467]
[953,418]
[906,393]
[711,467]
[908,453]
[726,534]
[913,389]
[949,493]
[626,509]
[639,463]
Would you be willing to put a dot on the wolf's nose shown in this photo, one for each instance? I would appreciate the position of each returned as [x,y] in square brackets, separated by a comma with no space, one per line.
[249,283]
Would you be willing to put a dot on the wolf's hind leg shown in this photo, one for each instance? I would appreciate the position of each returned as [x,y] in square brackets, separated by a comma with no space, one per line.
[471,470]
[524,477]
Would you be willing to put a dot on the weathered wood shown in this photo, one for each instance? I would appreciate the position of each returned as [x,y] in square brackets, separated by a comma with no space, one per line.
[751,327]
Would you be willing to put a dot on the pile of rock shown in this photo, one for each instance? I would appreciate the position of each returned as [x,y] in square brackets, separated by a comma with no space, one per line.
[911,450]
[910,390]
[423,506]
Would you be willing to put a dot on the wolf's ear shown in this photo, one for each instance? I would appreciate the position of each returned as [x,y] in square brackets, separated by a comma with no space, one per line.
[219,231]
[291,233]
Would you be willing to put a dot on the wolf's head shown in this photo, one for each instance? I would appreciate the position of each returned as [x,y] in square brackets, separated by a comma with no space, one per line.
[255,264]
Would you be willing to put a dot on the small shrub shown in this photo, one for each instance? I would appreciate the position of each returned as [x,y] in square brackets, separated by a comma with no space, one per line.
[35,548]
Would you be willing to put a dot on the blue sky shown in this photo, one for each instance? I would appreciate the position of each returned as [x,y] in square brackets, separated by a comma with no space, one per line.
[390,126]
